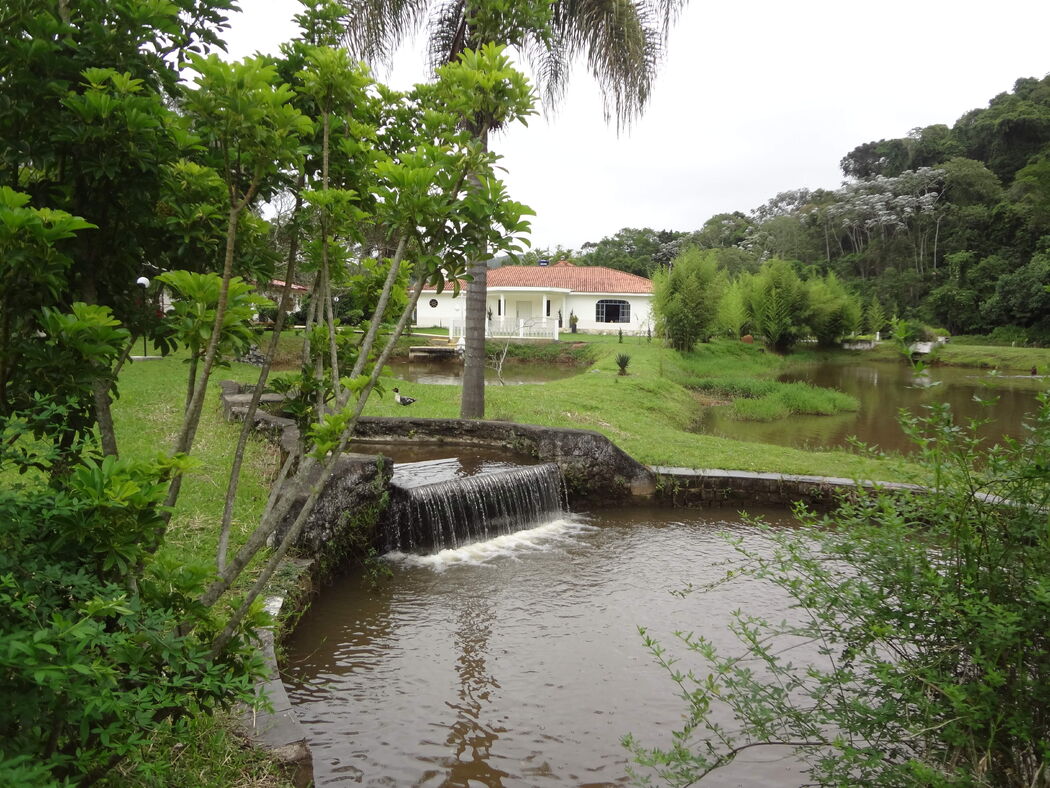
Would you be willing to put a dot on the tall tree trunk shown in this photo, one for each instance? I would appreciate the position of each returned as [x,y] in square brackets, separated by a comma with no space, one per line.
[100,389]
[104,416]
[248,425]
[191,418]
[472,404]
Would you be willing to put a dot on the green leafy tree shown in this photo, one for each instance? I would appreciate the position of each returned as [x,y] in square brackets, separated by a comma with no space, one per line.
[1021,297]
[777,305]
[931,616]
[86,127]
[1031,190]
[1014,127]
[732,318]
[685,299]
[722,231]
[33,275]
[103,644]
[533,256]
[247,120]
[191,320]
[636,251]
[431,198]
[834,312]
[875,316]
[110,641]
[621,42]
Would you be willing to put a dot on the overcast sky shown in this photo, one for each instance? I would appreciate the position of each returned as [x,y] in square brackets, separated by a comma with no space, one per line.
[755,97]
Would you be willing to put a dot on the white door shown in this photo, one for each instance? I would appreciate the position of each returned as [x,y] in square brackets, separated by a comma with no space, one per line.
[524,310]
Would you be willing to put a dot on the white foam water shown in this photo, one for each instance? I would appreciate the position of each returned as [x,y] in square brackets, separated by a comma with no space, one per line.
[541,538]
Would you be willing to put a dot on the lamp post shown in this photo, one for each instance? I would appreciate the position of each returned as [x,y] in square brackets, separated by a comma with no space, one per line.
[143,282]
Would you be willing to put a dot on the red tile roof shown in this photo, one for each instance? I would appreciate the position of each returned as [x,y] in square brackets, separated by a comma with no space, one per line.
[277,283]
[566,276]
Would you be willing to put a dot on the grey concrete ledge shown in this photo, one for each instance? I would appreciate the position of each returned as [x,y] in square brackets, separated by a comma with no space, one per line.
[277,729]
[721,473]
[709,486]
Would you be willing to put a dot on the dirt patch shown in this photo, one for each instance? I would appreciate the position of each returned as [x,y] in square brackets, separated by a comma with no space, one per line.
[708,400]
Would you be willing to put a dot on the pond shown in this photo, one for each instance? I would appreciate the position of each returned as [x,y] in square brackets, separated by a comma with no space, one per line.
[449,372]
[517,661]
[883,389]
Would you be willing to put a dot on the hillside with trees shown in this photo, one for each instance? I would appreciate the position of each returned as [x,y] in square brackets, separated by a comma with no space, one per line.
[949,225]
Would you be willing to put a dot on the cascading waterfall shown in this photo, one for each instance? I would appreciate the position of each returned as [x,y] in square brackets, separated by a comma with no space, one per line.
[450,514]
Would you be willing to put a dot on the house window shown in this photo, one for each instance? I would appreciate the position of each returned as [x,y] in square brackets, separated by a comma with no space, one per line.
[433,303]
[612,311]
[548,308]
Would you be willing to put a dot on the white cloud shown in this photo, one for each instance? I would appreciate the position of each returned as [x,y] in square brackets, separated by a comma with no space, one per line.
[754,98]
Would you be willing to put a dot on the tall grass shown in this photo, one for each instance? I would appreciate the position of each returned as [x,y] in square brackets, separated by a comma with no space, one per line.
[768,400]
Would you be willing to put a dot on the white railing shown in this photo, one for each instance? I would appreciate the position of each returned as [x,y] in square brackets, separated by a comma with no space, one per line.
[505,327]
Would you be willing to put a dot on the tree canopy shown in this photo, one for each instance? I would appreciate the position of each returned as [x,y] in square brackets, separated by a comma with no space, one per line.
[936,226]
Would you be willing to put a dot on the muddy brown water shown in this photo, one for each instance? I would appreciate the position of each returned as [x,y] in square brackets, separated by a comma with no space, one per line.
[518,661]
[883,389]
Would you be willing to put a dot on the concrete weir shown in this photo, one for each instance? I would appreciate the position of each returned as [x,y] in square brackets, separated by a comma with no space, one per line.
[596,473]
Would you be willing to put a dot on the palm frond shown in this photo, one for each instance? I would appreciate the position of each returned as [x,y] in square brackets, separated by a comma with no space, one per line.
[550,65]
[449,35]
[623,43]
[374,28]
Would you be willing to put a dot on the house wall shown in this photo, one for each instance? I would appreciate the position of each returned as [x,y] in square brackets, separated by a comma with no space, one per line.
[585,307]
[528,304]
[451,309]
[442,315]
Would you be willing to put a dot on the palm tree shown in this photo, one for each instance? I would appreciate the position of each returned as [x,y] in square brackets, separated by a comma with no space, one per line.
[622,41]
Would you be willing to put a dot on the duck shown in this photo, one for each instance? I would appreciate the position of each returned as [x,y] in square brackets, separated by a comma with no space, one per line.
[401,399]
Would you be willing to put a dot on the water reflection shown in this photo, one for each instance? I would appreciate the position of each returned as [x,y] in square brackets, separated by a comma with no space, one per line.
[471,736]
[883,390]
[526,668]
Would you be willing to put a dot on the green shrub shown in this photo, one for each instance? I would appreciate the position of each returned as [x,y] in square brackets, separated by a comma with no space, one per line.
[685,298]
[930,611]
[768,400]
[93,658]
[768,408]
[1009,335]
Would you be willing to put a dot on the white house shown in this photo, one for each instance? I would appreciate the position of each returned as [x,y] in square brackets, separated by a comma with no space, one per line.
[275,287]
[539,301]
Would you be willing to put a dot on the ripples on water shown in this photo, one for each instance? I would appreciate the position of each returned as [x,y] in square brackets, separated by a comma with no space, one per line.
[517,662]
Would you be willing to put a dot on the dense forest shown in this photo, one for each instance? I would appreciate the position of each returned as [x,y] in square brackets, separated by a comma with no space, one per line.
[949,225]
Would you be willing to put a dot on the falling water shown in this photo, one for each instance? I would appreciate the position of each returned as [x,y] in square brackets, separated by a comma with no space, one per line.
[450,514]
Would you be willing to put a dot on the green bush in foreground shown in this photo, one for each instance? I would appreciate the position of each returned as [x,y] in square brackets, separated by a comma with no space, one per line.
[931,615]
[101,642]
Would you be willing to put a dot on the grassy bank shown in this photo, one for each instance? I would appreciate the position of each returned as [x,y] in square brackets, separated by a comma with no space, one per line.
[209,751]
[649,411]
[1005,359]
[1011,359]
